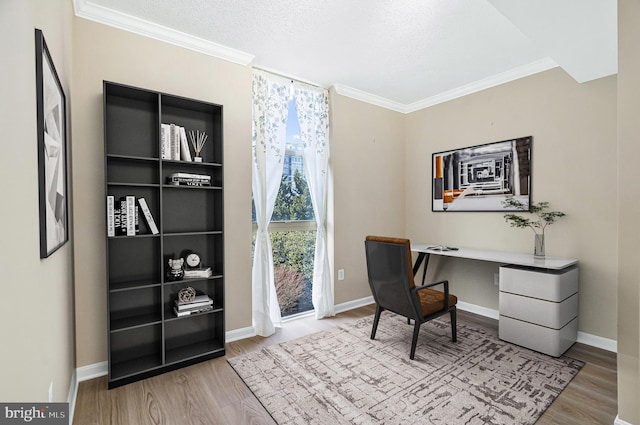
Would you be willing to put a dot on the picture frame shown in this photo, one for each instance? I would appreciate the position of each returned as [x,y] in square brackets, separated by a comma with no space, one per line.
[479,178]
[52,152]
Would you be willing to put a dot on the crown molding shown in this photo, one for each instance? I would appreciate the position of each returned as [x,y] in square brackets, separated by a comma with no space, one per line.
[496,80]
[493,81]
[87,10]
[369,98]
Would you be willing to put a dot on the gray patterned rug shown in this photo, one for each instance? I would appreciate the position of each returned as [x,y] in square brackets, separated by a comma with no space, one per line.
[340,376]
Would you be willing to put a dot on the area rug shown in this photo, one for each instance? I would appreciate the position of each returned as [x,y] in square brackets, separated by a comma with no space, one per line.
[340,376]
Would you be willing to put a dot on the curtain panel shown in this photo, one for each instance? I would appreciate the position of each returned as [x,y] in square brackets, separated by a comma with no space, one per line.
[312,104]
[270,108]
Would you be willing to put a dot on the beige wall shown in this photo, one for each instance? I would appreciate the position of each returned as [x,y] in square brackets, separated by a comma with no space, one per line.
[36,318]
[628,211]
[367,157]
[574,168]
[104,53]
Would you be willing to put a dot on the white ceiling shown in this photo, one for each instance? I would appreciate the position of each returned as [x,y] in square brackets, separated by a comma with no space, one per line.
[403,55]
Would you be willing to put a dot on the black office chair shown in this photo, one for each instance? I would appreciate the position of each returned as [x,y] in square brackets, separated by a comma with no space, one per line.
[393,288]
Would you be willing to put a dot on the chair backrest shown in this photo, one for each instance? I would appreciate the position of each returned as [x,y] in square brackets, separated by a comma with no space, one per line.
[391,274]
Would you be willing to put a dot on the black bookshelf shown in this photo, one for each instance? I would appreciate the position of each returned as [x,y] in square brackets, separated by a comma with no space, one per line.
[145,337]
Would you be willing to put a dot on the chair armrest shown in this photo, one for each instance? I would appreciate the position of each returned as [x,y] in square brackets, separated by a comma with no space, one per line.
[445,283]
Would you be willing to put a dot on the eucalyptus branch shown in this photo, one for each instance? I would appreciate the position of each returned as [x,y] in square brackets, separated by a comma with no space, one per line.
[544,218]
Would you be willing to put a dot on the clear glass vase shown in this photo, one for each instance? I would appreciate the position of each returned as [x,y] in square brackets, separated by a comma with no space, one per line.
[538,249]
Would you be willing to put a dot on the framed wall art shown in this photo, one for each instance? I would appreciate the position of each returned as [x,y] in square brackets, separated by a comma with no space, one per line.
[479,178]
[52,152]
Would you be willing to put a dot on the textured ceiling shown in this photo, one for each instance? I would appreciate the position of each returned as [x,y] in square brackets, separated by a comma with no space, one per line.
[402,53]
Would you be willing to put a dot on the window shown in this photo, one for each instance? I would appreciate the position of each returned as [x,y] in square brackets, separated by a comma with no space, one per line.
[293,228]
[271,107]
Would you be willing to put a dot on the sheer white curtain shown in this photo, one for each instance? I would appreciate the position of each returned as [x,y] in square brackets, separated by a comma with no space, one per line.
[270,97]
[312,104]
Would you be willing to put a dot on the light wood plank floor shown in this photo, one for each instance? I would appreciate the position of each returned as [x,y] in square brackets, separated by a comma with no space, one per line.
[212,393]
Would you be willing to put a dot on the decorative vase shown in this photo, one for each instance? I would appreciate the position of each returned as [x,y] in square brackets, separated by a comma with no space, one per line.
[538,250]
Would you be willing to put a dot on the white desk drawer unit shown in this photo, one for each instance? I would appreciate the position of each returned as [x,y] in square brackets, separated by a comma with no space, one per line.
[539,308]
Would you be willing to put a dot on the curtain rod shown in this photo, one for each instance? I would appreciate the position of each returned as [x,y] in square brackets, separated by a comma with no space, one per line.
[290,78]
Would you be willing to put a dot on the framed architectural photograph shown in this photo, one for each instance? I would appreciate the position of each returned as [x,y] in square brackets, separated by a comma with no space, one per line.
[52,152]
[479,178]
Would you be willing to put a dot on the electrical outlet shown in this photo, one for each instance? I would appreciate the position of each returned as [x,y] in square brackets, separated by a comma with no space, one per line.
[341,274]
[496,279]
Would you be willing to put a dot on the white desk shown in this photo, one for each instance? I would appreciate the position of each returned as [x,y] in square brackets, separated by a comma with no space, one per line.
[516,259]
[538,297]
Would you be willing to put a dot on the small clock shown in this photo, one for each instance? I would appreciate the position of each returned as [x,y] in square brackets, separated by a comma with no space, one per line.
[193,260]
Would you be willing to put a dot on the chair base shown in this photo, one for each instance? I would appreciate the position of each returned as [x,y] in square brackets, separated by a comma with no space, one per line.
[416,326]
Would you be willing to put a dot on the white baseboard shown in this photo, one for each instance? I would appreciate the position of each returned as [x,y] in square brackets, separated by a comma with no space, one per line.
[598,342]
[241,333]
[479,310]
[73,394]
[350,305]
[619,421]
[91,371]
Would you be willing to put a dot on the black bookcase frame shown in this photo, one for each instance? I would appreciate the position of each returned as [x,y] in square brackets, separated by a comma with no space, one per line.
[145,338]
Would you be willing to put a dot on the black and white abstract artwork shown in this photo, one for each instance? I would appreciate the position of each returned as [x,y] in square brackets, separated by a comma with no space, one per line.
[480,178]
[52,152]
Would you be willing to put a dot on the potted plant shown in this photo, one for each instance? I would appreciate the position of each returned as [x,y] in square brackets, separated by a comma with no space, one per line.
[538,223]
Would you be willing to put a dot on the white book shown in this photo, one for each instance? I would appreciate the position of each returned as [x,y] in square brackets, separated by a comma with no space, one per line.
[165,140]
[182,313]
[190,306]
[131,215]
[191,175]
[191,274]
[111,231]
[147,215]
[185,154]
[175,142]
[196,299]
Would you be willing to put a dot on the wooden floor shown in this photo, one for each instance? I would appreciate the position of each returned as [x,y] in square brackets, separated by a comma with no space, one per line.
[212,393]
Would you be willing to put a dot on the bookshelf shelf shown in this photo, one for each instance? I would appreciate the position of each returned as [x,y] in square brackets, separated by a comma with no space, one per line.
[133,284]
[171,317]
[133,184]
[214,276]
[145,336]
[131,158]
[135,322]
[213,348]
[210,232]
[173,186]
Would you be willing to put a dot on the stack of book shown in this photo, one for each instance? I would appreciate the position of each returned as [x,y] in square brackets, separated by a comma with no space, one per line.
[200,304]
[188,179]
[174,143]
[122,216]
[203,272]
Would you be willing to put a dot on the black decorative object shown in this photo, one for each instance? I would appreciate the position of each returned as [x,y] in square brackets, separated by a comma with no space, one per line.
[52,152]
[193,261]
[175,271]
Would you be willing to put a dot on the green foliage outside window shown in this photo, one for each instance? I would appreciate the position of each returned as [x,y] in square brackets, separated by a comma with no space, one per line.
[293,201]
[294,250]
